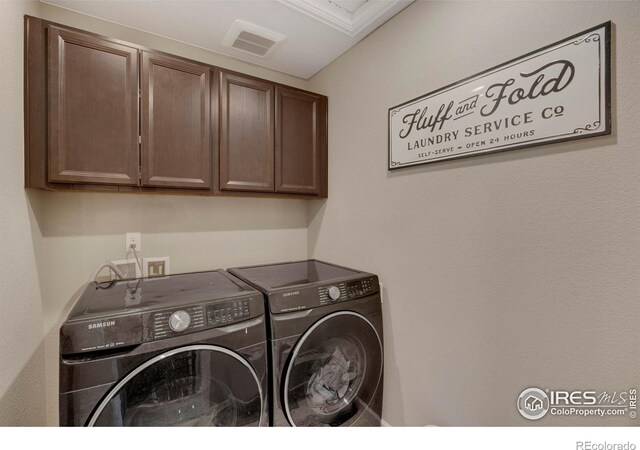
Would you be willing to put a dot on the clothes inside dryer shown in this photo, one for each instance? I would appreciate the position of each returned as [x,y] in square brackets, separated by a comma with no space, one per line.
[334,374]
[334,370]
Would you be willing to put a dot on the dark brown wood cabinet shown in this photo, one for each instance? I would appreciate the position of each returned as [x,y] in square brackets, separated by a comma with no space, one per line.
[176,123]
[103,114]
[271,137]
[246,133]
[297,141]
[93,110]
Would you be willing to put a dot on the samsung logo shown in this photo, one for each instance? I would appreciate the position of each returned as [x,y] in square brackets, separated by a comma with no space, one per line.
[289,294]
[108,323]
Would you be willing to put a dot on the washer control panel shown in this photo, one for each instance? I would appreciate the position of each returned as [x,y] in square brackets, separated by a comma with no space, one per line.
[179,320]
[229,312]
[332,293]
[184,319]
[173,322]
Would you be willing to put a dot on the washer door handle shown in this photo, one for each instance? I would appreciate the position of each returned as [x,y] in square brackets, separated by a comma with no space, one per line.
[239,326]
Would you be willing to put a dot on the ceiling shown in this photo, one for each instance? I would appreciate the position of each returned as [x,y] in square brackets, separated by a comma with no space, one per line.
[314,32]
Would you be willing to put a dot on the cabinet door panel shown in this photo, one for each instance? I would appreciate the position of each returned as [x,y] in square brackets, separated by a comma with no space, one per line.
[246,134]
[93,110]
[297,145]
[176,128]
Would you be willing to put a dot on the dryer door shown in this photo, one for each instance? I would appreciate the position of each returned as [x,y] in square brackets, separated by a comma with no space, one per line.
[197,385]
[333,372]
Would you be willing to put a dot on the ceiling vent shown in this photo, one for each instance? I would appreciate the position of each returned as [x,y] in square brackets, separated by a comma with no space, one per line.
[253,39]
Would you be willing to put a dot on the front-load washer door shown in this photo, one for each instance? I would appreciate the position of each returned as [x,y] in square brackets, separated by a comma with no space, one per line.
[333,371]
[197,385]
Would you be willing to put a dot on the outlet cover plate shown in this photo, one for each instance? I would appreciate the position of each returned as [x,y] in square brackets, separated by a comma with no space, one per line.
[133,238]
[128,267]
[156,267]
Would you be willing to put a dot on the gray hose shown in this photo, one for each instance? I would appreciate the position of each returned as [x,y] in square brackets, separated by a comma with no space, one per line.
[110,266]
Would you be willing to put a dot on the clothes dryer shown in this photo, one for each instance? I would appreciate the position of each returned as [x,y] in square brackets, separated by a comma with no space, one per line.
[325,341]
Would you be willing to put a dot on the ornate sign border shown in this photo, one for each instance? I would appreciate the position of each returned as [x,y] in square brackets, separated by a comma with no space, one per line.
[578,133]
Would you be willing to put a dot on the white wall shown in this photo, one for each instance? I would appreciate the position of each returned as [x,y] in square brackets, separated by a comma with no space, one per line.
[80,230]
[22,368]
[502,271]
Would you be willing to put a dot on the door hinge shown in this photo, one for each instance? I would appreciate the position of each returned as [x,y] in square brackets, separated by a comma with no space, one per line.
[139,139]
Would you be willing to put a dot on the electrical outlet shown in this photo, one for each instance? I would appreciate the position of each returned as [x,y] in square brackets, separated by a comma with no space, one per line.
[133,239]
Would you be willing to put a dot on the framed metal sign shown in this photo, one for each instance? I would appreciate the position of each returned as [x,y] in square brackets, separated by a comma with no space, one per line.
[557,93]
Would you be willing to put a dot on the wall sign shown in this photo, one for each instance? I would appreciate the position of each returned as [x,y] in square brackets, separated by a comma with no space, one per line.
[558,93]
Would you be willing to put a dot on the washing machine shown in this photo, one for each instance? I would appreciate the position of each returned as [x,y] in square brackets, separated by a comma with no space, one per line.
[325,342]
[181,350]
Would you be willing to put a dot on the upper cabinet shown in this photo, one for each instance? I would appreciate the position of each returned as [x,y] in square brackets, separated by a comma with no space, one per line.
[272,138]
[93,110]
[299,127]
[246,133]
[176,123]
[103,114]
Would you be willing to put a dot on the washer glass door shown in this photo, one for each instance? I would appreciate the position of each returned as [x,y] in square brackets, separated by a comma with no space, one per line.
[197,385]
[334,371]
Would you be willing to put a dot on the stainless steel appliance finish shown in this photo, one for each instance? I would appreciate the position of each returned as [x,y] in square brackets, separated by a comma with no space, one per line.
[179,350]
[325,342]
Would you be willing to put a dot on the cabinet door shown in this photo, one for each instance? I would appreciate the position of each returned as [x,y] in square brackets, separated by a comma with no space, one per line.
[246,134]
[176,125]
[297,142]
[93,110]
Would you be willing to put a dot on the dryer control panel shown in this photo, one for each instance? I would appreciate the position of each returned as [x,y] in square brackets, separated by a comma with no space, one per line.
[332,293]
[314,295]
[361,287]
[347,291]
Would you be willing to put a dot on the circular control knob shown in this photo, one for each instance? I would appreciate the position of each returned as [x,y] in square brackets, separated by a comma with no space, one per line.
[334,293]
[179,320]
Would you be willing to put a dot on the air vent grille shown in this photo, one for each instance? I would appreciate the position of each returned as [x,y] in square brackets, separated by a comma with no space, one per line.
[252,38]
[253,43]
